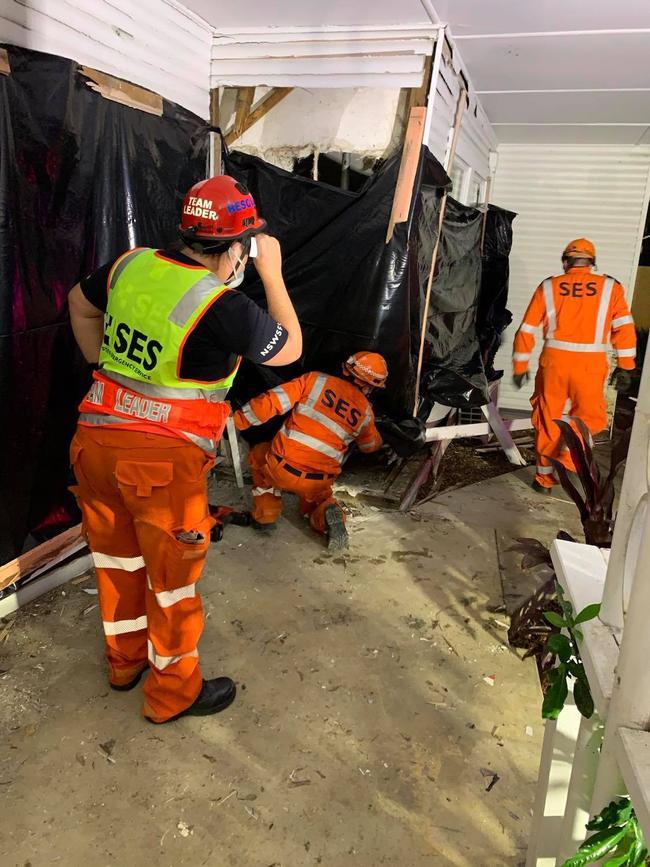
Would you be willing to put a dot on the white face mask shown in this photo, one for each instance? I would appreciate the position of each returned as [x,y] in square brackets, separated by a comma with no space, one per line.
[238,278]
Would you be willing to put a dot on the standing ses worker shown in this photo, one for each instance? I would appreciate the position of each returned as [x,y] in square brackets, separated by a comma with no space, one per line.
[581,312]
[168,332]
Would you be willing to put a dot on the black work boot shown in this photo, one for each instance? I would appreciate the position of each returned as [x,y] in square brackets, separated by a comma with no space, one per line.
[267,529]
[541,489]
[125,687]
[216,695]
[337,534]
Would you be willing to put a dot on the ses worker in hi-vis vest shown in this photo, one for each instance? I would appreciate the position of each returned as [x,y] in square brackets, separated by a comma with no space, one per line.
[168,332]
[581,312]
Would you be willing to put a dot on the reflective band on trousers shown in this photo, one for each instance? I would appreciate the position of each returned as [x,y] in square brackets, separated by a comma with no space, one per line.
[208,445]
[545,471]
[151,390]
[108,561]
[521,356]
[122,627]
[161,662]
[576,347]
[167,598]
[259,492]
[313,443]
[326,421]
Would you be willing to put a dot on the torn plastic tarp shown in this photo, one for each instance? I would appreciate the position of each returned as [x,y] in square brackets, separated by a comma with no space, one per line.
[82,179]
[493,315]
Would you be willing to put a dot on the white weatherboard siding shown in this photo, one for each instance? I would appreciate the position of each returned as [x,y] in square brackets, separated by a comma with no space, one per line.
[561,192]
[156,44]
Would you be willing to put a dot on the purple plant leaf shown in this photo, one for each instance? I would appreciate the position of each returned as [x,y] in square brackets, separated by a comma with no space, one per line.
[570,488]
[579,458]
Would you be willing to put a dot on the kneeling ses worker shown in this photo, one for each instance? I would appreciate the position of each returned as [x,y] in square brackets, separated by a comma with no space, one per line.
[327,415]
[168,331]
[581,311]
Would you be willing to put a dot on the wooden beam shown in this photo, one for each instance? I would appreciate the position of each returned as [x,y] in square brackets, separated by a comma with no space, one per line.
[272,99]
[215,140]
[243,103]
[123,92]
[5,66]
[40,556]
[407,169]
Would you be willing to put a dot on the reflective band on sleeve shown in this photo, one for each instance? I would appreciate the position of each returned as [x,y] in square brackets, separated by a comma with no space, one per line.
[527,329]
[123,262]
[168,598]
[369,447]
[520,356]
[161,662]
[122,627]
[316,389]
[550,307]
[193,299]
[326,421]
[108,561]
[364,423]
[313,443]
[249,415]
[259,492]
[283,397]
[603,310]
[626,353]
[622,320]
[576,347]
[545,471]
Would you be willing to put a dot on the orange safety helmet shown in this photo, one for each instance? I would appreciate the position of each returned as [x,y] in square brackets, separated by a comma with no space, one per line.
[216,211]
[581,248]
[367,368]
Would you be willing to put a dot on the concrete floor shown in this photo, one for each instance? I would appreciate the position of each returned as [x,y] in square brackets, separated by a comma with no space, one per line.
[364,732]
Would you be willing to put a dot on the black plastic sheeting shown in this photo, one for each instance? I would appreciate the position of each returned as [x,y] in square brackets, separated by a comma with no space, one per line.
[493,315]
[81,180]
[354,291]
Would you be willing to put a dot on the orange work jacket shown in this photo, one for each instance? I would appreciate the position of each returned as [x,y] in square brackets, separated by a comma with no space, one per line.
[328,414]
[581,312]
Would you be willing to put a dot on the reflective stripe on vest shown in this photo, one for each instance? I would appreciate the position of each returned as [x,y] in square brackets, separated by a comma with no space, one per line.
[599,343]
[313,443]
[153,305]
[151,390]
[320,417]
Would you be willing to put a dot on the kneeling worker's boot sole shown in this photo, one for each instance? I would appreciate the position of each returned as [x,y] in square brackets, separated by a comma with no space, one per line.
[216,695]
[541,489]
[337,534]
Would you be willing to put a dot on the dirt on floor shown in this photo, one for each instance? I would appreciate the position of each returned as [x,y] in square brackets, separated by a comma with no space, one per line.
[381,717]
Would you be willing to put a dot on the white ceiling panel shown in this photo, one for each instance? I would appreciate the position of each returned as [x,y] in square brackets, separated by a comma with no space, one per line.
[561,62]
[586,107]
[470,17]
[528,134]
[309,13]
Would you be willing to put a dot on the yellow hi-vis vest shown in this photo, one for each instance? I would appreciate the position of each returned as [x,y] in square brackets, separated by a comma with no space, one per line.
[153,307]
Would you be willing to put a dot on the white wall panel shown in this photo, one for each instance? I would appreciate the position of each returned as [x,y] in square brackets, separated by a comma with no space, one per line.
[156,44]
[561,192]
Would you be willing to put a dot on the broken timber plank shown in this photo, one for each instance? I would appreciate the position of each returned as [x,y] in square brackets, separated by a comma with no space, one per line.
[407,169]
[123,92]
[243,102]
[5,66]
[215,138]
[27,563]
[502,433]
[272,99]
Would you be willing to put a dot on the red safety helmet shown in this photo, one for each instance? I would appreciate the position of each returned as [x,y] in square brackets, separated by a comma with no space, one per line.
[367,368]
[217,211]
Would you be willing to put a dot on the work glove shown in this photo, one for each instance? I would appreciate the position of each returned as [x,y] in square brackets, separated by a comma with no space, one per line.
[406,436]
[621,379]
[519,379]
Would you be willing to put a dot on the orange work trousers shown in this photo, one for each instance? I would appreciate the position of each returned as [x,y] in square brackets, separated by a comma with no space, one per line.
[566,378]
[270,478]
[138,492]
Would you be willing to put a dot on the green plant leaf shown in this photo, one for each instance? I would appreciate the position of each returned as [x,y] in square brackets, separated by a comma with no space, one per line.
[589,612]
[583,698]
[556,695]
[560,645]
[615,813]
[618,860]
[555,619]
[596,847]
[578,634]
[639,850]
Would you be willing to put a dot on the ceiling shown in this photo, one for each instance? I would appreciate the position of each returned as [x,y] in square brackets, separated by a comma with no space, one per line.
[548,71]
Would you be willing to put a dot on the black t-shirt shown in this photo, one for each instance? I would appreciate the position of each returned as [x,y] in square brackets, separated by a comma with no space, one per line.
[233,325]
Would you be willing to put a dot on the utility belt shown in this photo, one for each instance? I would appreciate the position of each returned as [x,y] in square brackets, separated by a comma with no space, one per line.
[316,477]
[127,403]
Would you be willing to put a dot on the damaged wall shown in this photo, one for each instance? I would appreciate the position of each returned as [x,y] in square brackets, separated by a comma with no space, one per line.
[359,120]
